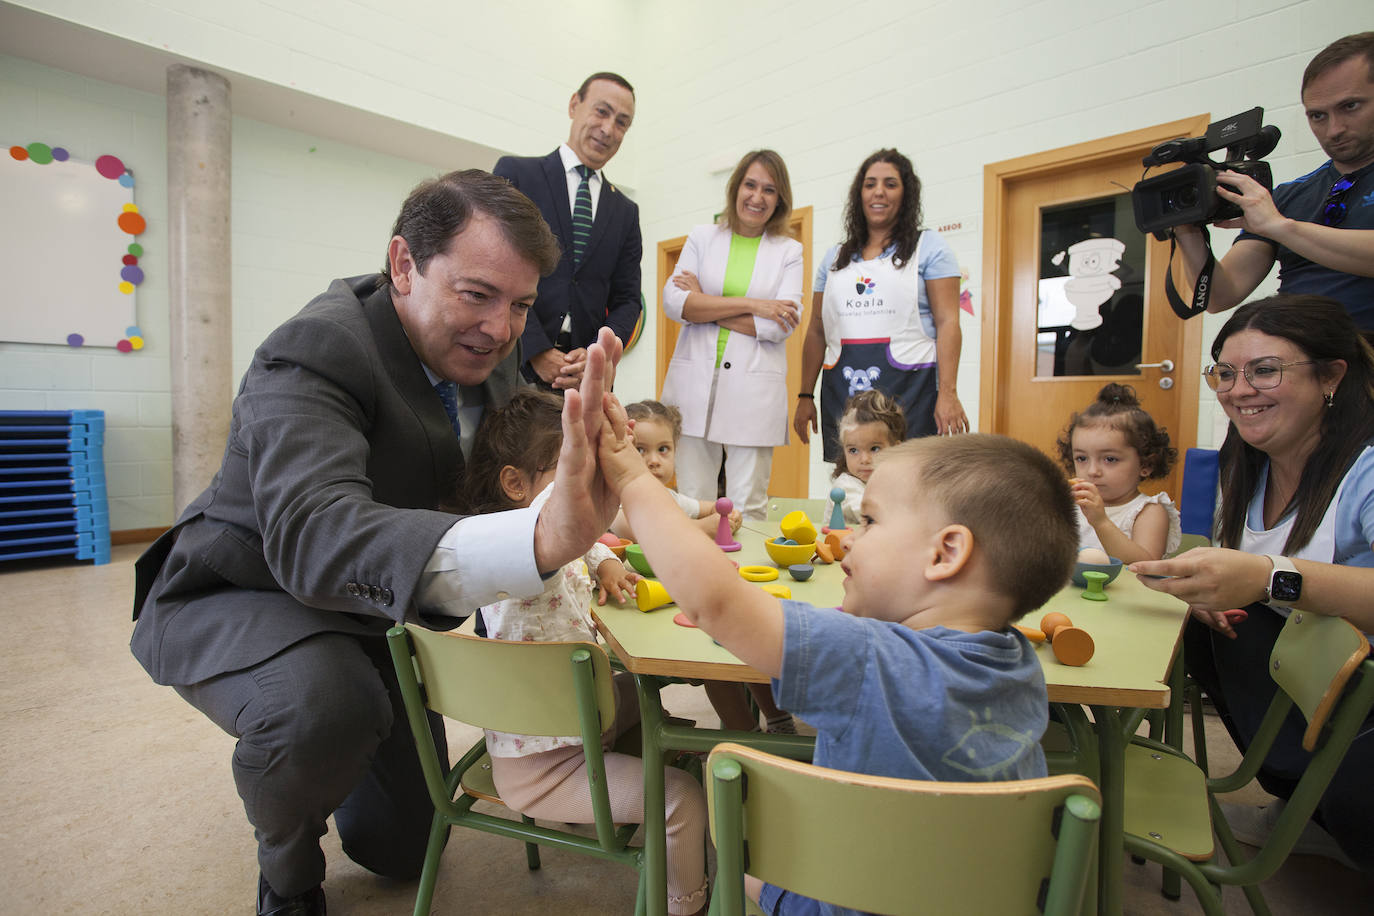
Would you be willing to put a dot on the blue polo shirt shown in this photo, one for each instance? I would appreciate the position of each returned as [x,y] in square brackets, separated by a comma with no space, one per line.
[1303,199]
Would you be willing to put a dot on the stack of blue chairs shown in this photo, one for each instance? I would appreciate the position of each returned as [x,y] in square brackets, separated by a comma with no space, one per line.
[53,501]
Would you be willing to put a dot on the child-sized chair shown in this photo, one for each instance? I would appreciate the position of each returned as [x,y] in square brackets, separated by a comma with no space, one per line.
[899,845]
[529,688]
[1321,666]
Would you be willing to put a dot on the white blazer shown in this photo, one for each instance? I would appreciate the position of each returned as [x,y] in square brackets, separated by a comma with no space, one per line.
[745,401]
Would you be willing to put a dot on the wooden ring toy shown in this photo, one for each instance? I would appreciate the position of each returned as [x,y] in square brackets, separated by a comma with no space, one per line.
[758,573]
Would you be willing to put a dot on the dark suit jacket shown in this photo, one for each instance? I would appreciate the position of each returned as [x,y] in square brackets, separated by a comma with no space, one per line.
[604,290]
[323,513]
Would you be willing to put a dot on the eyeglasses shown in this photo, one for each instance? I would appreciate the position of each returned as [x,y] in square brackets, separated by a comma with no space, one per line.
[1333,211]
[1262,374]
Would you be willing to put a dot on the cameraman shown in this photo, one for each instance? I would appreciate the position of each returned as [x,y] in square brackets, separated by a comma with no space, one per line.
[1320,227]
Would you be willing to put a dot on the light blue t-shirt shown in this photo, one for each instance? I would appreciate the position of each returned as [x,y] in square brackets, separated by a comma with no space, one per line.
[935,704]
[937,262]
[913,704]
[1354,515]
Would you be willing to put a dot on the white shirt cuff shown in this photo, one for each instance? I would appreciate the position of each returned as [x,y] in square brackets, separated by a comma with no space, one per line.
[480,560]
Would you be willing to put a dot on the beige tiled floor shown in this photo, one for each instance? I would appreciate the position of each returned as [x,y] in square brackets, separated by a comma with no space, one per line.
[117,796]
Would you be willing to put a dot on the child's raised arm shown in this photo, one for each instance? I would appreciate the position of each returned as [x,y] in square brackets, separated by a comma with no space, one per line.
[705,585]
[707,520]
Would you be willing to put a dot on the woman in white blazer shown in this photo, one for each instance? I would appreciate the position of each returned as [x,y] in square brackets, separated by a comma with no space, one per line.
[737,292]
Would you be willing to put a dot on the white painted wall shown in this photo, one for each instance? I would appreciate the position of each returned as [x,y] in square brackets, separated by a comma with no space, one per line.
[305,210]
[954,85]
[493,73]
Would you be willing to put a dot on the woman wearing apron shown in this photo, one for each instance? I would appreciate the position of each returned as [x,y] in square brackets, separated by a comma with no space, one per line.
[885,311]
[1296,525]
[737,292]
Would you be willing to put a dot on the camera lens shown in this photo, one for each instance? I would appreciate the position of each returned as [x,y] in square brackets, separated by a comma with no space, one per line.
[1182,198]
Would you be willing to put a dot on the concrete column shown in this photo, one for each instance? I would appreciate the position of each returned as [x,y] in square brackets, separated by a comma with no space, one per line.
[198,143]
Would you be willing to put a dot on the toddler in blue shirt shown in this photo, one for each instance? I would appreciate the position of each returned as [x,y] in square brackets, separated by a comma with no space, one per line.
[920,674]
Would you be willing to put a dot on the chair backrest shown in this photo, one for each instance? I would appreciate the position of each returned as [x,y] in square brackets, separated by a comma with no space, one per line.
[527,688]
[818,510]
[1197,502]
[903,846]
[1187,542]
[1312,661]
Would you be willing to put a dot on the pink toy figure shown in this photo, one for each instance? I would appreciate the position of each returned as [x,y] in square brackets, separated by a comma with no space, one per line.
[836,514]
[724,539]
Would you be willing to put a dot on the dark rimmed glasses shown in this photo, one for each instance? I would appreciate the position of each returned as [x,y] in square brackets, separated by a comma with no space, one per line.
[1333,211]
[1262,373]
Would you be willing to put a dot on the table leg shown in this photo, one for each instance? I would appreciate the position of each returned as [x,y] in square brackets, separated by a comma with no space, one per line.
[655,828]
[1111,752]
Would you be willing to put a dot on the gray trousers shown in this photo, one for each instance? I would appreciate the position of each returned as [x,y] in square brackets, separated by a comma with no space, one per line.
[321,730]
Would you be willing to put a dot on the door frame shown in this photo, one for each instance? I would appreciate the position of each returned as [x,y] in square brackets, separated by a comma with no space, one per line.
[791,473]
[998,272]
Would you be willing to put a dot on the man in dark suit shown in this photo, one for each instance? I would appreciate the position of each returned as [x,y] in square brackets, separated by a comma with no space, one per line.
[266,604]
[596,283]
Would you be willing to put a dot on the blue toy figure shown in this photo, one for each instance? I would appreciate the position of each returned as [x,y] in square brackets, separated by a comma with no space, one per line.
[837,514]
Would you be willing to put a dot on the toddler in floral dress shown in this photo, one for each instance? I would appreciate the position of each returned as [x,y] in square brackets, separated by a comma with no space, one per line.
[512,465]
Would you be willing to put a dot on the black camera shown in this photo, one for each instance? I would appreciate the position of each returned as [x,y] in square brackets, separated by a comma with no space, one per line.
[1189,194]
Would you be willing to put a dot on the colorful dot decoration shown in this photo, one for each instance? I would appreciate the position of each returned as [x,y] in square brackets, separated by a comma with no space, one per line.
[130,221]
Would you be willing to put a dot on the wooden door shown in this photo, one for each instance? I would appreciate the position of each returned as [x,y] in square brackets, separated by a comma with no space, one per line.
[1040,364]
[791,462]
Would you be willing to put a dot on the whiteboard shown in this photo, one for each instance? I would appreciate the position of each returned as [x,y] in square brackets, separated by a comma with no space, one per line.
[69,241]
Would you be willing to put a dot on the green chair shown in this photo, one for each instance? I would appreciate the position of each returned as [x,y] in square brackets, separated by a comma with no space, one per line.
[1321,666]
[529,688]
[818,510]
[899,845]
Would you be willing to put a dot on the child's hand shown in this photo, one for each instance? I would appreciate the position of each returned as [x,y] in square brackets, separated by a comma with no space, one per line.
[735,520]
[615,580]
[619,459]
[1090,501]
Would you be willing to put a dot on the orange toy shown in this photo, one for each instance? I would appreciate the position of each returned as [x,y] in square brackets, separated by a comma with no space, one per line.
[1053,621]
[1031,633]
[824,553]
[835,541]
[1072,646]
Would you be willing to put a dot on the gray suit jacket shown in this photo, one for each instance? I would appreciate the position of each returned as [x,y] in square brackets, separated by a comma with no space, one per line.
[325,508]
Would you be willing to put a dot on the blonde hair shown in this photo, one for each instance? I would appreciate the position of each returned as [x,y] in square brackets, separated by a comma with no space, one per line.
[777,170]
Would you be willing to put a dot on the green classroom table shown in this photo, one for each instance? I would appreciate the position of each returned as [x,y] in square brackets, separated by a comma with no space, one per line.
[1136,633]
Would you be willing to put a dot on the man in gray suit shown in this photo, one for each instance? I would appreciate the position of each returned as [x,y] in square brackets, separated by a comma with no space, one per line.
[266,604]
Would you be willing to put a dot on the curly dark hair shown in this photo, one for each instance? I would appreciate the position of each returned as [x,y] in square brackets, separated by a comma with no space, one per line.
[1118,408]
[526,434]
[908,229]
[1323,331]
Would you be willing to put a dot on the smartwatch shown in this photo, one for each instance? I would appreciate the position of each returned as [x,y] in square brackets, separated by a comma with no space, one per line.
[1285,582]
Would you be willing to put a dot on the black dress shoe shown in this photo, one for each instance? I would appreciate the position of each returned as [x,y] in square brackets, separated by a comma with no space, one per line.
[270,903]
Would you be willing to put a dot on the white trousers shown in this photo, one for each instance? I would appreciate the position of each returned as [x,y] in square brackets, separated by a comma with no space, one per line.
[747,469]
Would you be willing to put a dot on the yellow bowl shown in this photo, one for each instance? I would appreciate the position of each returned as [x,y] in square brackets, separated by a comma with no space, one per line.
[787,555]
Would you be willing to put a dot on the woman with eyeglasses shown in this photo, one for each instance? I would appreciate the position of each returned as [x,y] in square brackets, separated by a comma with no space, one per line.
[1295,527]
